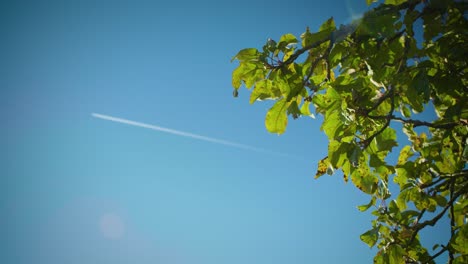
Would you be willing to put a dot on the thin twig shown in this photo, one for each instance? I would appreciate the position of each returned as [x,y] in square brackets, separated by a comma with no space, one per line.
[312,68]
[299,52]
[367,141]
[418,123]
[444,248]
[452,219]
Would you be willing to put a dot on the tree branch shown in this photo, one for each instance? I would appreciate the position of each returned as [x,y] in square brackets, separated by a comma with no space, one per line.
[417,123]
[451,176]
[434,220]
[425,185]
[312,68]
[444,248]
[379,102]
[299,52]
[367,141]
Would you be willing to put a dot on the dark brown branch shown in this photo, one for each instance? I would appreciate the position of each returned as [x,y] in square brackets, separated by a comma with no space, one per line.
[299,52]
[462,173]
[379,102]
[419,217]
[327,57]
[367,141]
[444,248]
[312,68]
[418,226]
[418,123]
[425,185]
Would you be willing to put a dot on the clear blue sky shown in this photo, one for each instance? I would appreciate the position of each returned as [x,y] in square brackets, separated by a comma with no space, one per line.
[76,189]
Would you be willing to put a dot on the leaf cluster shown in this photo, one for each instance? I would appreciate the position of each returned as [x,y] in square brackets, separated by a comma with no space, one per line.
[363,78]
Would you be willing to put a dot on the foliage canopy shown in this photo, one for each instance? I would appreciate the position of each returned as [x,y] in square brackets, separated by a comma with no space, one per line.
[401,58]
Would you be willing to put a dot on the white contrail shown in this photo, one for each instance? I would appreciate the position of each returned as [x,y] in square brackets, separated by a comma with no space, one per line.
[184,134]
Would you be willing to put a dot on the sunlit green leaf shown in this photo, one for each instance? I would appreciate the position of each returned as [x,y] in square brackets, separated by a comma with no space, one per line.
[394,2]
[395,254]
[294,110]
[333,125]
[371,236]
[277,118]
[386,140]
[405,153]
[460,242]
[246,55]
[364,207]
[460,259]
[305,109]
[405,111]
[285,41]
[264,89]
[364,180]
[328,25]
[323,34]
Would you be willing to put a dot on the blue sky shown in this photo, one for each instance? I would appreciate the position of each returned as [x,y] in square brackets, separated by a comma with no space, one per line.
[77,189]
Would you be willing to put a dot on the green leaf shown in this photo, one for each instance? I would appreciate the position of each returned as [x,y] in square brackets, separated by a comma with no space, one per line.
[324,33]
[246,55]
[403,198]
[405,111]
[395,254]
[405,154]
[394,2]
[239,72]
[413,98]
[377,25]
[364,207]
[386,140]
[421,84]
[294,110]
[336,54]
[288,38]
[370,1]
[333,125]
[338,152]
[364,180]
[381,258]
[306,37]
[305,109]
[441,200]
[328,25]
[264,89]
[285,41]
[460,212]
[277,118]
[461,259]
[460,243]
[249,73]
[371,236]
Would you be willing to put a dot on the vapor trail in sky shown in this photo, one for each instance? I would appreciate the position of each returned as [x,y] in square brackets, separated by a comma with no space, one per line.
[184,134]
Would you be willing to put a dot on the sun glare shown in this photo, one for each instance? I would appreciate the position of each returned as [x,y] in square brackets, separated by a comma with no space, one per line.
[111,226]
